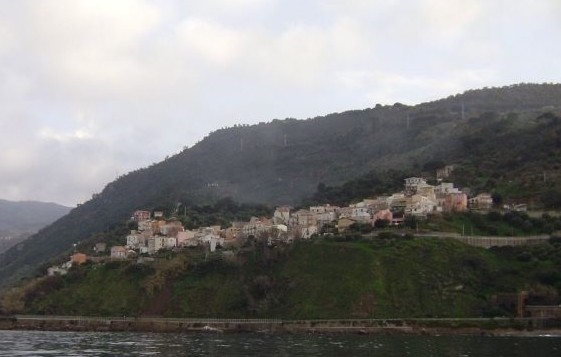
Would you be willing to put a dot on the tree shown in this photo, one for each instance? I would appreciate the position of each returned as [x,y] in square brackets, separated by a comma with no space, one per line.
[381,223]
[411,222]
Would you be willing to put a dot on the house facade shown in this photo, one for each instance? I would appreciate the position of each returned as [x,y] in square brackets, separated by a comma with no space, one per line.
[118,252]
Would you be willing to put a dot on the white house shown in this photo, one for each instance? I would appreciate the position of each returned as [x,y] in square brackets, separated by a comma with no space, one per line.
[411,183]
[212,240]
[361,214]
[135,240]
[445,188]
[282,215]
[306,232]
[420,206]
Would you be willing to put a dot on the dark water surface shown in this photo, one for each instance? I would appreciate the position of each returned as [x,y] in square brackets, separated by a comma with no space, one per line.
[44,343]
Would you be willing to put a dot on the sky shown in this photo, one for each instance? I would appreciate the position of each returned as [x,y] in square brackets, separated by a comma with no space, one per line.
[93,89]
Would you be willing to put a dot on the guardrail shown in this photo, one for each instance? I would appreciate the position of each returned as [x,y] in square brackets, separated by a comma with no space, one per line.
[162,324]
[488,241]
[146,319]
[264,321]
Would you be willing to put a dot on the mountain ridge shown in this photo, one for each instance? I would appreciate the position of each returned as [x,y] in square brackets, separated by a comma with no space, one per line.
[284,161]
[21,219]
[28,215]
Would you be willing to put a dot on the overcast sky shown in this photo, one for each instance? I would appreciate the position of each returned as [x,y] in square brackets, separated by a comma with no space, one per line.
[90,90]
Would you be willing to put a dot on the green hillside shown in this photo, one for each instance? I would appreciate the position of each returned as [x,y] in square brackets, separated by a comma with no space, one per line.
[322,278]
[499,138]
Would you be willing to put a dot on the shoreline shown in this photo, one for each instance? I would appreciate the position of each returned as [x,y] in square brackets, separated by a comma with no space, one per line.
[428,327]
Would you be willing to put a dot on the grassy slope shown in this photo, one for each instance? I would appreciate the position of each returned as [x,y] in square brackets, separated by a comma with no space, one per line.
[322,279]
[412,278]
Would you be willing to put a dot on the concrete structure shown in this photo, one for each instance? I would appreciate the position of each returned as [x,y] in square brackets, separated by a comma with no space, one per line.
[52,271]
[118,252]
[481,202]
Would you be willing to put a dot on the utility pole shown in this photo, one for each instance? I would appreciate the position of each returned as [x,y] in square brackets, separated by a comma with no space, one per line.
[463,111]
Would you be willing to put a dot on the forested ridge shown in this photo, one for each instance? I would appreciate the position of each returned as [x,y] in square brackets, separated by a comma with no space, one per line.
[505,140]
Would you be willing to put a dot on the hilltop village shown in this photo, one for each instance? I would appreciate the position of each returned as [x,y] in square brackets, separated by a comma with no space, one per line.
[155,233]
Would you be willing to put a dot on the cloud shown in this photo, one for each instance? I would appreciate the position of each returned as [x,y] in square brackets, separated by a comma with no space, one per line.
[449,19]
[90,44]
[84,84]
[210,41]
[229,10]
[387,88]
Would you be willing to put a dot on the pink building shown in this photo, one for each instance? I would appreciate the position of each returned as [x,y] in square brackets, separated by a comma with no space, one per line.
[384,214]
[184,237]
[455,202]
[139,216]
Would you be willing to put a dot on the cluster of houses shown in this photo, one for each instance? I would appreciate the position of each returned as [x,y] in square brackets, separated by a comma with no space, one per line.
[418,199]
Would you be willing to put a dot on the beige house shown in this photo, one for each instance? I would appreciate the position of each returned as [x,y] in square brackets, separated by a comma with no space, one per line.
[118,252]
[100,247]
[444,172]
[171,228]
[304,218]
[420,206]
[254,226]
[234,231]
[343,224]
[481,202]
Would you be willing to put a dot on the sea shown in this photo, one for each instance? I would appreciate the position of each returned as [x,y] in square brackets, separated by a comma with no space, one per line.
[48,343]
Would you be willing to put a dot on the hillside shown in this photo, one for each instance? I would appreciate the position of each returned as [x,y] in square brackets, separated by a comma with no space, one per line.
[18,220]
[28,216]
[285,160]
[322,279]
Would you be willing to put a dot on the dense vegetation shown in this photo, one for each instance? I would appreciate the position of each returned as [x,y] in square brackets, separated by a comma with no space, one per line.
[499,138]
[494,223]
[390,276]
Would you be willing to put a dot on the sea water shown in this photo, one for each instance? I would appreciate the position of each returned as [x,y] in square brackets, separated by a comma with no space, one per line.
[46,343]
